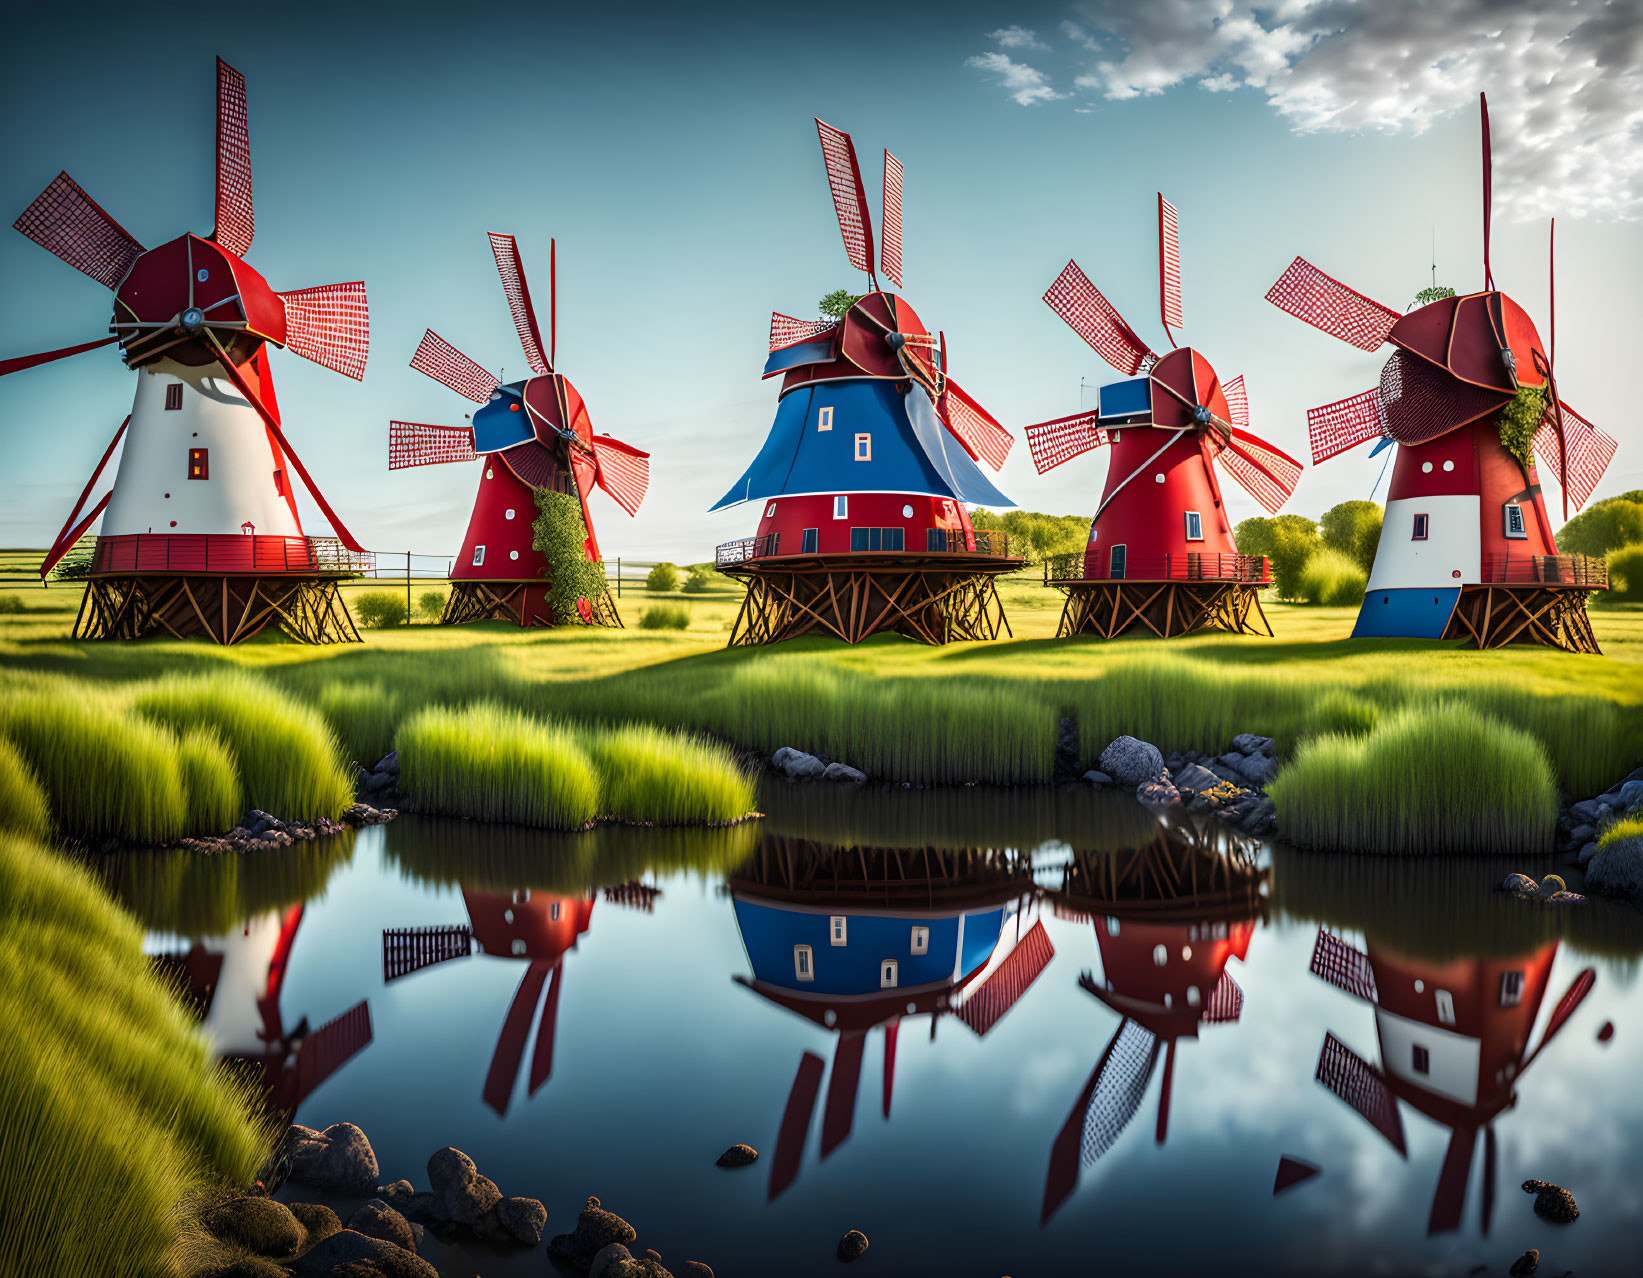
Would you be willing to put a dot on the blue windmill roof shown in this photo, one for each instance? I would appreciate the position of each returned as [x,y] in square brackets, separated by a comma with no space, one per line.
[911,450]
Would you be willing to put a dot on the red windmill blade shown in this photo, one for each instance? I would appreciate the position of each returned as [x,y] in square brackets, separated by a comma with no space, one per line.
[849,196]
[1093,318]
[418,444]
[788,330]
[1119,1088]
[1334,428]
[1331,307]
[1362,1087]
[236,218]
[64,220]
[330,325]
[973,426]
[1262,469]
[1058,441]
[1169,267]
[624,471]
[1344,966]
[890,227]
[1585,453]
[1237,402]
[518,293]
[450,367]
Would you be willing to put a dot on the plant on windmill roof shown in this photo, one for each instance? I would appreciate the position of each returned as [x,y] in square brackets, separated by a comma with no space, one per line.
[560,536]
[1434,294]
[838,302]
[1519,421]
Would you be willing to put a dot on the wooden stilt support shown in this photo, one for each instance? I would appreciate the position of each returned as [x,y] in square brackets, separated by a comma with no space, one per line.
[1162,608]
[936,598]
[524,603]
[1554,616]
[225,609]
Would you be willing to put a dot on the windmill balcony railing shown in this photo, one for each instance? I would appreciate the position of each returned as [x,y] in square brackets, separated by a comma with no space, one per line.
[227,553]
[937,541]
[1583,571]
[1192,566]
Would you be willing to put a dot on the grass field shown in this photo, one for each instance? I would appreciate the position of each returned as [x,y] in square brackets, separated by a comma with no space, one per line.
[982,712]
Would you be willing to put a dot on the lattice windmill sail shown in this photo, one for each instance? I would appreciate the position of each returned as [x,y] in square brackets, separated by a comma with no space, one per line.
[874,451]
[1161,519]
[1470,399]
[535,435]
[1454,1045]
[206,482]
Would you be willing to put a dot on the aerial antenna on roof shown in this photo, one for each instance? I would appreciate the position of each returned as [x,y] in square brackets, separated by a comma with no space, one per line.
[1434,255]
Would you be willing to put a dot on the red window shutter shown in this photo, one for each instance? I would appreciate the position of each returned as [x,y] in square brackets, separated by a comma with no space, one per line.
[174,396]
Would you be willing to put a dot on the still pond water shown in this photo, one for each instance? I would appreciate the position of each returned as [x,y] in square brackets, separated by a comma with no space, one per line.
[1001,1034]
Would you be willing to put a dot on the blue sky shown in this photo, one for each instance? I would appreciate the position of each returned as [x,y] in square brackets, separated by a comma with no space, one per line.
[672,154]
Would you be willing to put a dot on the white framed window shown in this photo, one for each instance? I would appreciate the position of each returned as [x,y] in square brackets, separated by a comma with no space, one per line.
[889,974]
[479,556]
[1446,1007]
[1420,1059]
[824,419]
[1423,526]
[1513,519]
[864,448]
[770,511]
[1112,926]
[835,929]
[841,507]
[807,541]
[1511,989]
[517,946]
[174,396]
[921,940]
[803,968]
[1195,526]
[1117,558]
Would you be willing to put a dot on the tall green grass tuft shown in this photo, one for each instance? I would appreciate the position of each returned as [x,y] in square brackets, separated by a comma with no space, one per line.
[23,807]
[113,1113]
[1332,578]
[289,761]
[211,782]
[489,763]
[363,715]
[665,778]
[1442,779]
[106,773]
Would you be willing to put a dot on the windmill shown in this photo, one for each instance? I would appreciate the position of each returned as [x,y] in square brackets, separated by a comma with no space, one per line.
[1469,395]
[200,532]
[1454,1044]
[1160,555]
[540,929]
[847,938]
[535,435]
[866,470]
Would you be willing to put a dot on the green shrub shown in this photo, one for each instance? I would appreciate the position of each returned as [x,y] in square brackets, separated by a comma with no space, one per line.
[23,807]
[1603,527]
[489,763]
[1354,529]
[560,536]
[363,715]
[1034,536]
[289,761]
[1331,577]
[1625,828]
[106,772]
[662,577]
[647,774]
[1288,541]
[11,604]
[211,782]
[430,604]
[113,1111]
[664,617]
[380,609]
[700,580]
[1626,572]
[1442,779]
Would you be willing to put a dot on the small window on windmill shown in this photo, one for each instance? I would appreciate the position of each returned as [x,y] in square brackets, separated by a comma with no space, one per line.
[1195,526]
[1515,527]
[1422,523]
[1511,989]
[889,974]
[1422,1059]
[807,541]
[199,463]
[841,508]
[174,396]
[921,940]
[836,928]
[802,966]
[824,419]
[479,556]
[1116,559]
[864,448]
[1446,1006]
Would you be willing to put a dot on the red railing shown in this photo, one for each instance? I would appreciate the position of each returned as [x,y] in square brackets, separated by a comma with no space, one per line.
[937,541]
[226,553]
[1188,567]
[1548,570]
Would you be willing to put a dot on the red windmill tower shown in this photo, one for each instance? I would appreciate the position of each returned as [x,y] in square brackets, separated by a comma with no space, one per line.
[1466,548]
[864,476]
[1454,1043]
[538,928]
[200,532]
[1160,556]
[535,436]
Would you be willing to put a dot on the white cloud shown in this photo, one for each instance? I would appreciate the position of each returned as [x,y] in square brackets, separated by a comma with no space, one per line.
[1565,82]
[1016,38]
[1027,85]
